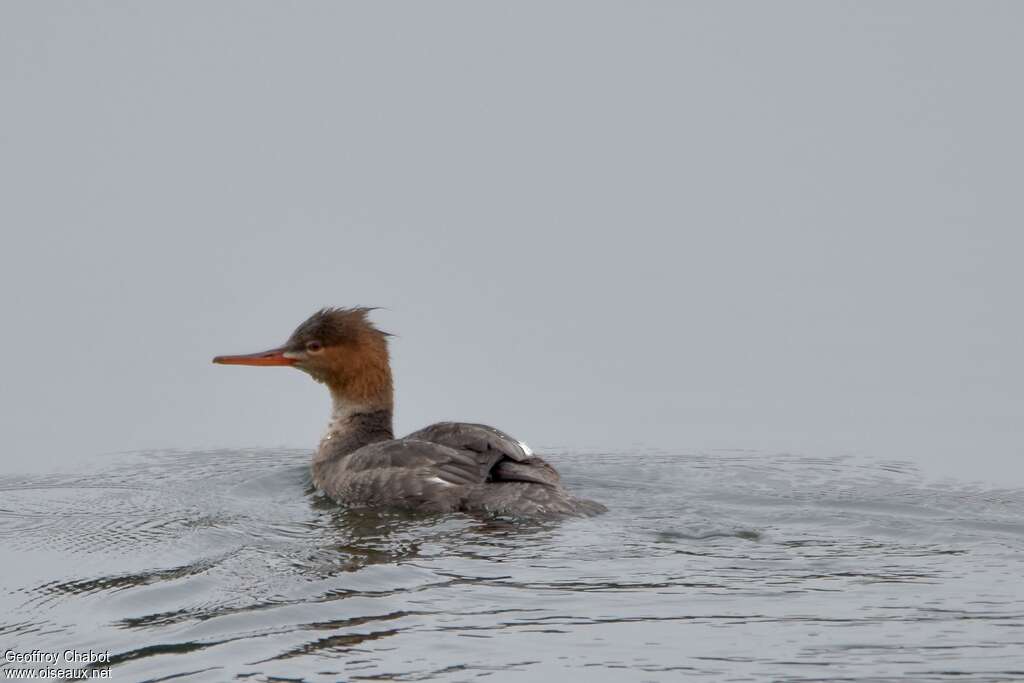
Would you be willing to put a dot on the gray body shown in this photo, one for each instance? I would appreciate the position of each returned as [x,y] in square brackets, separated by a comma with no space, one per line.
[446,467]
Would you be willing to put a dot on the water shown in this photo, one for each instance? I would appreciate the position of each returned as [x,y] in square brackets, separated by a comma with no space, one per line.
[723,566]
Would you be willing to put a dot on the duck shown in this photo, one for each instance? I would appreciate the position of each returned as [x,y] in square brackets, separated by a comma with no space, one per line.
[446,467]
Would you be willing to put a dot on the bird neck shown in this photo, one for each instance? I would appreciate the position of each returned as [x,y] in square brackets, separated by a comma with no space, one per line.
[363,398]
[353,426]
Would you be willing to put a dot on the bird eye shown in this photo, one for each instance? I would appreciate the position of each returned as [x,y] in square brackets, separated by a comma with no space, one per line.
[314,347]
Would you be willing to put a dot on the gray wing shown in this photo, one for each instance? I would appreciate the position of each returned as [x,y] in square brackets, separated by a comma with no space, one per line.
[511,459]
[474,437]
[410,473]
[456,466]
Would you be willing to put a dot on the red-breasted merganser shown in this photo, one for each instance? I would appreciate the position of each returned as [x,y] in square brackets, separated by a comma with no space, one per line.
[446,467]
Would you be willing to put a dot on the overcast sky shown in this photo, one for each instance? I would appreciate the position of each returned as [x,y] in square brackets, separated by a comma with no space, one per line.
[785,226]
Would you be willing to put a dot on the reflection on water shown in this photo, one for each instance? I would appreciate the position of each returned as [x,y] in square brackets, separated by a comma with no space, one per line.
[224,565]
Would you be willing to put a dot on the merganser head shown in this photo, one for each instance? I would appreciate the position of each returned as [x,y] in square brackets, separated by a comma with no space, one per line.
[340,347]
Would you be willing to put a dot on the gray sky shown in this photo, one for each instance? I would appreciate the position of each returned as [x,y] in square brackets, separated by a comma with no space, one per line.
[778,226]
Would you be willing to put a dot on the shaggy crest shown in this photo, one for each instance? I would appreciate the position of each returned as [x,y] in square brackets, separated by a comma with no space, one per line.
[334,327]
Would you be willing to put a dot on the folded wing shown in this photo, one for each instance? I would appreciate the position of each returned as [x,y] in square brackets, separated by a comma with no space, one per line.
[453,466]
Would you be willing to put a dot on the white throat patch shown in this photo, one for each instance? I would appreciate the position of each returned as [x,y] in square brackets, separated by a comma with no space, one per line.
[339,416]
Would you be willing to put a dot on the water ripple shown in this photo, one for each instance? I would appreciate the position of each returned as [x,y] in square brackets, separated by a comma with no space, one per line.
[723,565]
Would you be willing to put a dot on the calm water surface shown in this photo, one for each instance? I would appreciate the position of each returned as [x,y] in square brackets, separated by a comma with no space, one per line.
[723,567]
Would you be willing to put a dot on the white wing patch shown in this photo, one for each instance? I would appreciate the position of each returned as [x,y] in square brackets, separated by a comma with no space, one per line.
[526,449]
[439,480]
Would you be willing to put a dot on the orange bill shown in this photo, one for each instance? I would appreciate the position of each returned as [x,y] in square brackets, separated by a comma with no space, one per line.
[271,357]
